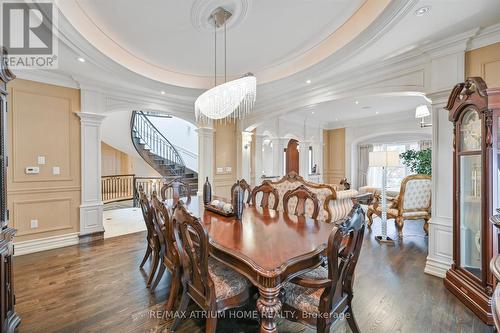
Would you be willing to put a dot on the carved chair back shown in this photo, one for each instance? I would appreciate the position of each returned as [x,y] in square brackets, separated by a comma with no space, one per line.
[293,180]
[166,229]
[301,195]
[193,240]
[344,246]
[267,190]
[175,190]
[415,194]
[245,187]
[147,214]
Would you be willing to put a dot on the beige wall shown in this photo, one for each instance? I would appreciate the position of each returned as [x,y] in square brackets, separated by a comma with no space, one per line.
[42,122]
[114,161]
[484,62]
[333,155]
[225,142]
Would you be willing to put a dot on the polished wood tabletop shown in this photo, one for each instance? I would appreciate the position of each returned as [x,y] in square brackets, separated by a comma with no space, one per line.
[268,247]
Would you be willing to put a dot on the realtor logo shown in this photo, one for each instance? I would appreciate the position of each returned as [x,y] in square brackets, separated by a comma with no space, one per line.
[27,34]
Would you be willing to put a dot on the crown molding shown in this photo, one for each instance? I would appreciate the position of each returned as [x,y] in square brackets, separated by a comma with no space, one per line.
[47,76]
[486,36]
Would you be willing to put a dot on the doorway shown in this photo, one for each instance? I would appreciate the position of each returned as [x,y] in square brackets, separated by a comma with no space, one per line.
[292,156]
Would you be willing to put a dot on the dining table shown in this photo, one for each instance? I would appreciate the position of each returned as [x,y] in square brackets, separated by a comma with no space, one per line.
[268,247]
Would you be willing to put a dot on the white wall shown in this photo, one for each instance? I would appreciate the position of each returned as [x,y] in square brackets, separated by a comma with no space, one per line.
[181,134]
[115,131]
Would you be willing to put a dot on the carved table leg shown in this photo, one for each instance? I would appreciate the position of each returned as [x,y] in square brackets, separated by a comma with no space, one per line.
[269,307]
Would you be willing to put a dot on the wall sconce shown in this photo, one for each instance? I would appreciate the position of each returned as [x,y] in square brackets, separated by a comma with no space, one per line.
[421,112]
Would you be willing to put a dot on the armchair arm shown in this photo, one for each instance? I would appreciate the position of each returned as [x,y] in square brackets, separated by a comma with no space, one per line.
[393,201]
[312,283]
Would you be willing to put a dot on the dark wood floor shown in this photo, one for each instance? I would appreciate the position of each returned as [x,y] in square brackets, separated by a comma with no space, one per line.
[99,288]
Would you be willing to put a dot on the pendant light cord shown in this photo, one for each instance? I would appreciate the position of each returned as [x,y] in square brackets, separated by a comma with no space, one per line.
[225,53]
[215,58]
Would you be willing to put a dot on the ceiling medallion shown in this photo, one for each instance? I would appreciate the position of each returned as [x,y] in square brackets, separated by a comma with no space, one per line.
[230,100]
[202,10]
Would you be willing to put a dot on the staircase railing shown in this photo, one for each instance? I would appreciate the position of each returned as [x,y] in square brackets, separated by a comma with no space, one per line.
[117,188]
[157,143]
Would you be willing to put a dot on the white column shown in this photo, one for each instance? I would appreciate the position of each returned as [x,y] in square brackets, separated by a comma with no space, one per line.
[91,205]
[304,159]
[278,160]
[440,226]
[246,151]
[257,172]
[445,69]
[205,156]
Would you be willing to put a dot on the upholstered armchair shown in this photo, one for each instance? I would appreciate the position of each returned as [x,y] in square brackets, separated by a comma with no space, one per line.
[412,203]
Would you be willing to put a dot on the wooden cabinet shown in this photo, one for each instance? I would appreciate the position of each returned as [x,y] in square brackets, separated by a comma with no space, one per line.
[474,111]
[9,319]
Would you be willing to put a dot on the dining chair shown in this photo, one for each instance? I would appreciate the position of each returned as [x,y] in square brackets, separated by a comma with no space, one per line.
[212,285]
[152,239]
[302,194]
[267,189]
[323,295]
[176,189]
[169,258]
[245,187]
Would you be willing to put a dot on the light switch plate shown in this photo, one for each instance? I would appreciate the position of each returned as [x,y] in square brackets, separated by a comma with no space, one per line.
[32,170]
[220,170]
[56,170]
[229,169]
[41,160]
[34,224]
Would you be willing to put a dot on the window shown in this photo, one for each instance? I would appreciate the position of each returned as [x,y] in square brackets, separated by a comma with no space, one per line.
[396,174]
[310,159]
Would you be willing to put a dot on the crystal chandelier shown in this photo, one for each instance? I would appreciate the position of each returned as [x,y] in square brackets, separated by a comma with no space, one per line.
[230,100]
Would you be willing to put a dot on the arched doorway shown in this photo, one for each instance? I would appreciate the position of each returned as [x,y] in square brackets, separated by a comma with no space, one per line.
[292,156]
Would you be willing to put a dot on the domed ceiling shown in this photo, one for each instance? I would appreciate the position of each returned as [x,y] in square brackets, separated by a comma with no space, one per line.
[173,41]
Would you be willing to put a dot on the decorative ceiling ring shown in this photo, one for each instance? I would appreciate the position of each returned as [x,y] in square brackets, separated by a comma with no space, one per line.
[202,10]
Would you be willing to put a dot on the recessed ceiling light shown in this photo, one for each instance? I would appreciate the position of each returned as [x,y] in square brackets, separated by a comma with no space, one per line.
[422,10]
[80,59]
[308,81]
[312,112]
[376,112]
[357,102]
[162,92]
[336,119]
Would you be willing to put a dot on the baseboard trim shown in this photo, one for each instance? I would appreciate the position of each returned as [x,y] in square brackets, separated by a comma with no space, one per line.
[44,244]
[436,267]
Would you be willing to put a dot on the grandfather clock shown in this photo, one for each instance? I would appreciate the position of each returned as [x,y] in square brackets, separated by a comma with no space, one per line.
[475,113]
[9,319]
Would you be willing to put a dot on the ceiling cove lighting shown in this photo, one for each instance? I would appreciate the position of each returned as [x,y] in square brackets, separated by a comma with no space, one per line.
[230,100]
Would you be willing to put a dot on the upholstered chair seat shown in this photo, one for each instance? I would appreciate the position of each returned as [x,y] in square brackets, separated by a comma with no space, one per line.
[227,282]
[302,298]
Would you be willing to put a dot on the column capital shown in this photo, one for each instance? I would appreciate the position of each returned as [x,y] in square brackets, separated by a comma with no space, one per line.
[90,118]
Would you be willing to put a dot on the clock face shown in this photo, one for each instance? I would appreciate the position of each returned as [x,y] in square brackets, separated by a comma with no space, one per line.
[470,130]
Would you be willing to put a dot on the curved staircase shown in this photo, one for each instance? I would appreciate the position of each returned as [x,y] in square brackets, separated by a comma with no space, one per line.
[158,152]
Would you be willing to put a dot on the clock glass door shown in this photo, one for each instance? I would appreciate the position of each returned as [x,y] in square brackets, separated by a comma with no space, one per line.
[470,173]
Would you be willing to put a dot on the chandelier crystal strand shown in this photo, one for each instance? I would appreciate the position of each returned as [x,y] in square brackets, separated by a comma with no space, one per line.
[231,100]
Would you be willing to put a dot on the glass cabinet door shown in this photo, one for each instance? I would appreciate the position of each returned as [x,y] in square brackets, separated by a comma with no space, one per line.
[470,173]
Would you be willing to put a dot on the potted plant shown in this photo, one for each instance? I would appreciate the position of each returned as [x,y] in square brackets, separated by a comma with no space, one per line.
[419,161]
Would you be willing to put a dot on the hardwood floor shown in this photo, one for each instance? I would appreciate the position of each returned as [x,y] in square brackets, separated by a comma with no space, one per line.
[99,288]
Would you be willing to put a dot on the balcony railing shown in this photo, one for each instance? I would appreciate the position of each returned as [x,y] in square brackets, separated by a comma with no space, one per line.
[117,188]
